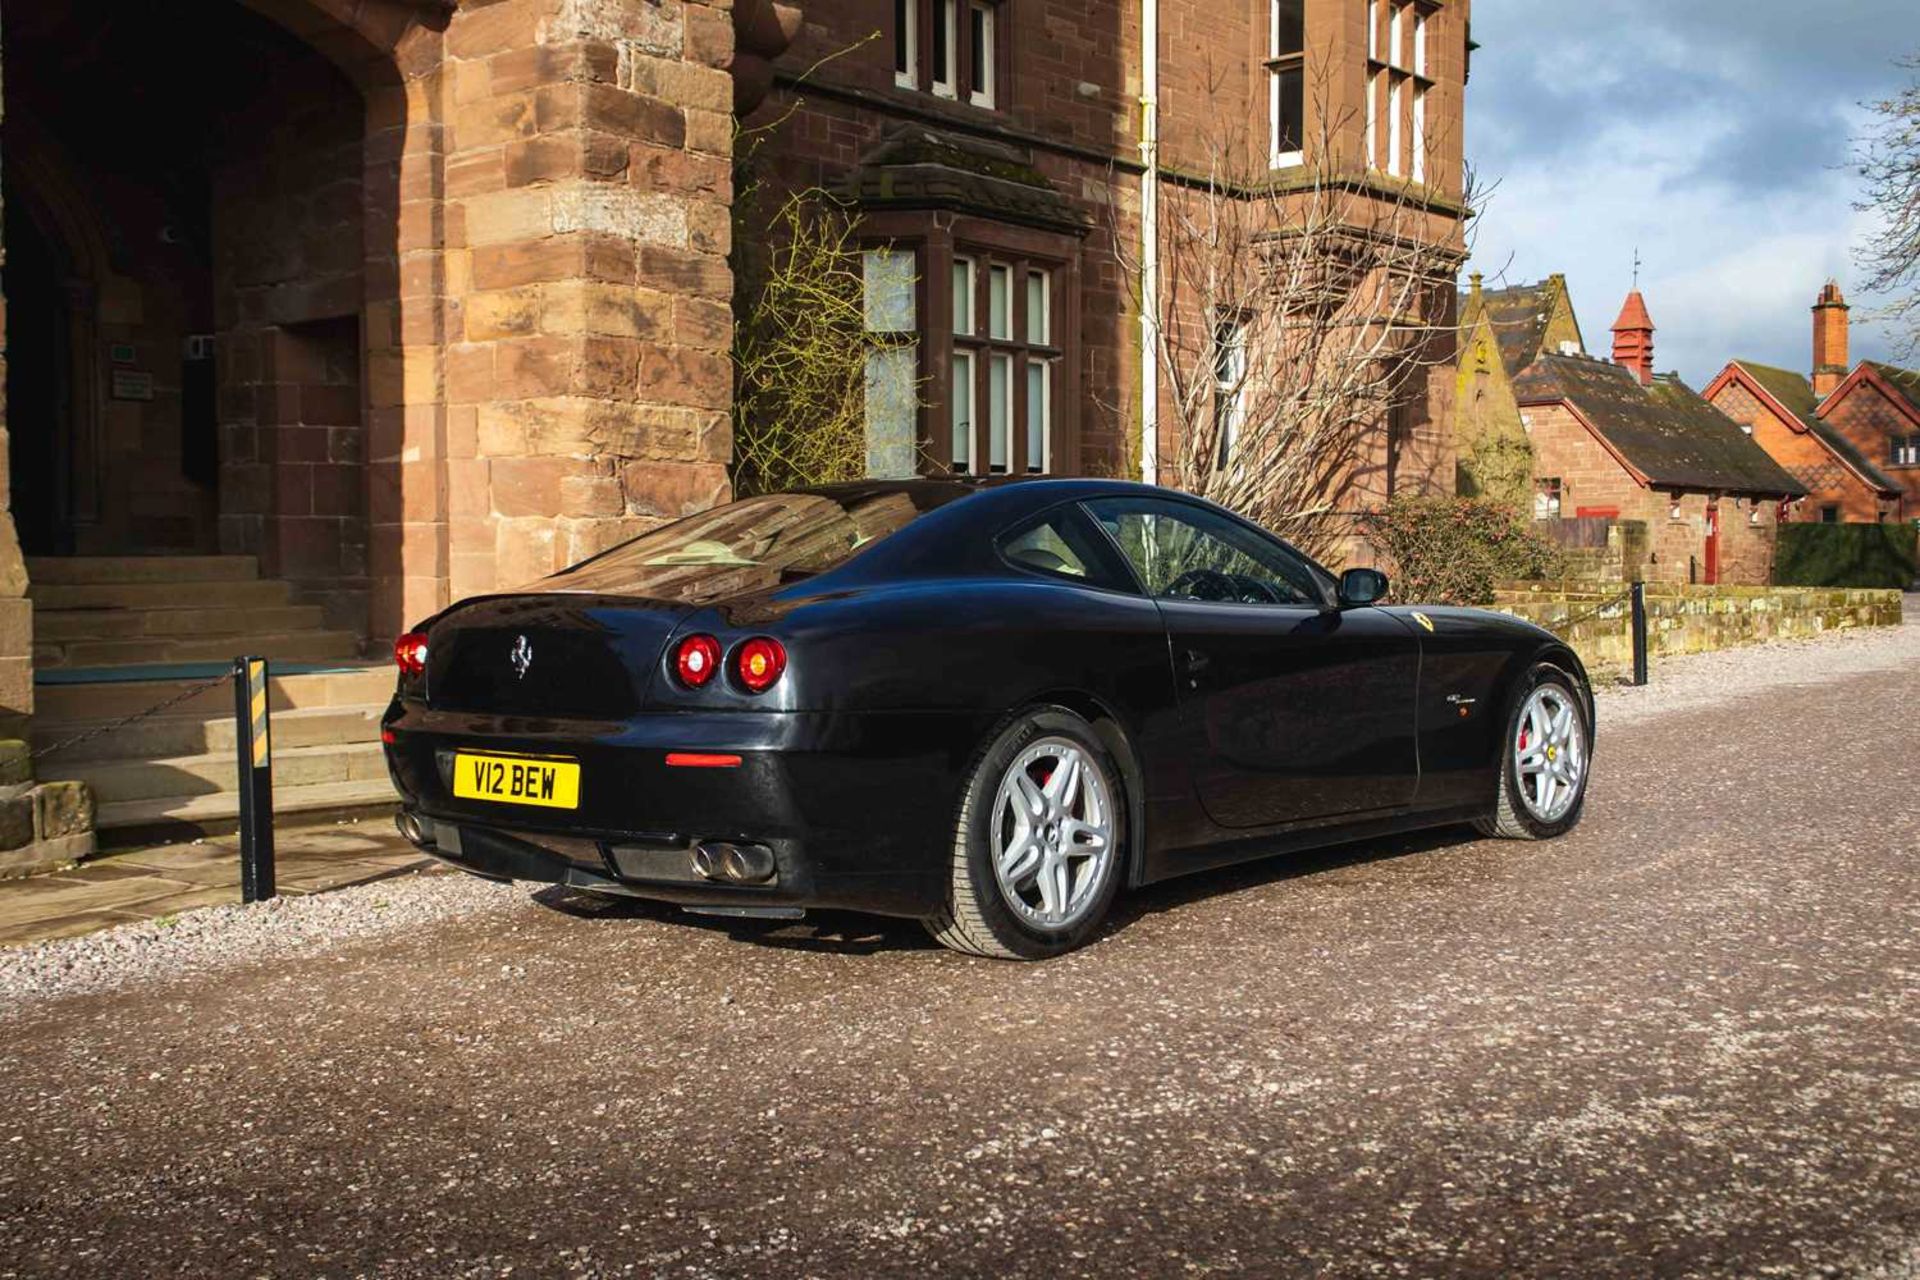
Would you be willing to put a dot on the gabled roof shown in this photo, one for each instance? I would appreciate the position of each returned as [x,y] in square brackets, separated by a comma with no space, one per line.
[1520,315]
[1794,393]
[1904,381]
[1665,433]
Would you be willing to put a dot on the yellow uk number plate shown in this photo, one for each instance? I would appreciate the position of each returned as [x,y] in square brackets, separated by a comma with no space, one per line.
[554,784]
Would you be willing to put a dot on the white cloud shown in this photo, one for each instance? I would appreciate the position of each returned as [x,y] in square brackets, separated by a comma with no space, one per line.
[1711,136]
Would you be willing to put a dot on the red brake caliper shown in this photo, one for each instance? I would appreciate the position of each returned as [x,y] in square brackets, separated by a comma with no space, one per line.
[1523,737]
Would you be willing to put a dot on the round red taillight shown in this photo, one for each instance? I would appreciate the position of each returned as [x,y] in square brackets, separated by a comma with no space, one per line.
[758,663]
[697,660]
[410,653]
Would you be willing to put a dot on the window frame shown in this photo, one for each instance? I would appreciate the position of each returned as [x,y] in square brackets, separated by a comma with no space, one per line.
[1399,84]
[1323,583]
[1280,64]
[925,25]
[1904,451]
[906,39]
[989,347]
[941,239]
[1230,394]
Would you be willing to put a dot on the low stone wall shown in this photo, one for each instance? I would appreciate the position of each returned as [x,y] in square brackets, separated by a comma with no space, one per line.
[1595,617]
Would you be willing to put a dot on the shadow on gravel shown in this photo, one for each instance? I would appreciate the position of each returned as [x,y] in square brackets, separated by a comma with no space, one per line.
[849,933]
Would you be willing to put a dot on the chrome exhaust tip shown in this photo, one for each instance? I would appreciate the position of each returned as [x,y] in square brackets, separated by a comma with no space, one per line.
[707,860]
[733,863]
[416,830]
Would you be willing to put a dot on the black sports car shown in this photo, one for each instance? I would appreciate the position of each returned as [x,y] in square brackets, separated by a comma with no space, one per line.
[986,706]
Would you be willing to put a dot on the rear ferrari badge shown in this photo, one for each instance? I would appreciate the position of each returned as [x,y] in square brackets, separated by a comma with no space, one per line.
[521,656]
[1423,619]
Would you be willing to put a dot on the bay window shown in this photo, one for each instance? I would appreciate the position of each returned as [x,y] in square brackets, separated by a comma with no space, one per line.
[975,361]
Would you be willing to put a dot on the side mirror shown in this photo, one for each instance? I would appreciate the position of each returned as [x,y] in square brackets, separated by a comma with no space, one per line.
[1361,587]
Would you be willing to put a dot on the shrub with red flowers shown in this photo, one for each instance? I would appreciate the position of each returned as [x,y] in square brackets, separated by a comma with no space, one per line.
[1453,550]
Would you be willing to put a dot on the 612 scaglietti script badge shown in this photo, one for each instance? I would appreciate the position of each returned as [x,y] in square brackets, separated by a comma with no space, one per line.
[521,656]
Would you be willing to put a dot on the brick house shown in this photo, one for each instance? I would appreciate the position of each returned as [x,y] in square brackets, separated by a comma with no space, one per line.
[1851,432]
[1777,407]
[1502,332]
[1614,439]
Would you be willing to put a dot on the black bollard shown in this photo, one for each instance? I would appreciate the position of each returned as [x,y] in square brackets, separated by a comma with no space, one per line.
[1639,633]
[254,739]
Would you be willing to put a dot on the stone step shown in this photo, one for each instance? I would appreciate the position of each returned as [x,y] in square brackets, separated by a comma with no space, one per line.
[194,735]
[300,646]
[182,777]
[135,821]
[352,685]
[108,569]
[249,593]
[57,626]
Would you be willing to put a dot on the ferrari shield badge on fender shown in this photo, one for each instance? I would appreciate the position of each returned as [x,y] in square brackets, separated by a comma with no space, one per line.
[1423,619]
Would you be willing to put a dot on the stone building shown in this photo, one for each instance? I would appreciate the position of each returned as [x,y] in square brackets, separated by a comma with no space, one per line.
[323,314]
[1502,331]
[1613,439]
[997,149]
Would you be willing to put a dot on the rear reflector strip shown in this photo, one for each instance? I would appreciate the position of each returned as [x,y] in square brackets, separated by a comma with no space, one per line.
[700,760]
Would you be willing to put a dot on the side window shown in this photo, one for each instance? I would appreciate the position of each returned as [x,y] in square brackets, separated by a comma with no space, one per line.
[1063,545]
[1189,553]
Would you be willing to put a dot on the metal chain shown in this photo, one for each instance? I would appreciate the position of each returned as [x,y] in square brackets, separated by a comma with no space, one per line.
[113,726]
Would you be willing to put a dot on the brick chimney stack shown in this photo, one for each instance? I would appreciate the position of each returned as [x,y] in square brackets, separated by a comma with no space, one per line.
[1633,339]
[1829,341]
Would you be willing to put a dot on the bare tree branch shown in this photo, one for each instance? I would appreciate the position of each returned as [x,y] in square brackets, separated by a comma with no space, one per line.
[1888,159]
[1297,307]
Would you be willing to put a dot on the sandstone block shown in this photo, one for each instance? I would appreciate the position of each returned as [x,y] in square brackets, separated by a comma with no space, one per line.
[591,496]
[16,822]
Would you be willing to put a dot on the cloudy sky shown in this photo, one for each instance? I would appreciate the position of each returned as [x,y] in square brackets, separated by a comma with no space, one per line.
[1710,134]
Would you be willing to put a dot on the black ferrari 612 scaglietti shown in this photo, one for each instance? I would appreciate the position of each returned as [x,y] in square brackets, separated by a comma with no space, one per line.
[986,706]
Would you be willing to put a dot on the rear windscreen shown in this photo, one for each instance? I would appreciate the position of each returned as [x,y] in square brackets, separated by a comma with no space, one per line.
[750,545]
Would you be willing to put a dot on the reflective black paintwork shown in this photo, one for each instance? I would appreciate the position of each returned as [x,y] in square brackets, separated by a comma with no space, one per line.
[1241,729]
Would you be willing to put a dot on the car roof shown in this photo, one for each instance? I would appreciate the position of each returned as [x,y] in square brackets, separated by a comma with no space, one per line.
[1014,490]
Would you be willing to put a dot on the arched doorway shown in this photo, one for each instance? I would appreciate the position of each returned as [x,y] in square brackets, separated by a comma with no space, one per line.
[186,281]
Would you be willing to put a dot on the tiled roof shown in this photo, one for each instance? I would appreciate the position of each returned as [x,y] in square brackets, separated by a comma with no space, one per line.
[1793,391]
[1795,395]
[1905,381]
[1666,432]
[1519,315]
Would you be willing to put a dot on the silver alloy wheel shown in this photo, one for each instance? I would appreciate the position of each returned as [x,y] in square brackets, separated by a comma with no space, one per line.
[1550,753]
[1052,834]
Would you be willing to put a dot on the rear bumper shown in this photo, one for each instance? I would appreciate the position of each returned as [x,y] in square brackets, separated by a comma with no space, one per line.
[857,810]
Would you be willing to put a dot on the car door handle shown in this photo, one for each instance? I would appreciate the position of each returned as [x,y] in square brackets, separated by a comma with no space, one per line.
[1196,660]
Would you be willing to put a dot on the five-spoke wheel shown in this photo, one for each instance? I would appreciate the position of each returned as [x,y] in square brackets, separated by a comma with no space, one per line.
[1039,841]
[1543,763]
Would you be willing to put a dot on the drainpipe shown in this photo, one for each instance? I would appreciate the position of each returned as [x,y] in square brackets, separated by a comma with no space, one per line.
[1150,241]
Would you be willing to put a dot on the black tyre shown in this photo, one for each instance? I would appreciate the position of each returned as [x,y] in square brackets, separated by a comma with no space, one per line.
[1040,841]
[1545,758]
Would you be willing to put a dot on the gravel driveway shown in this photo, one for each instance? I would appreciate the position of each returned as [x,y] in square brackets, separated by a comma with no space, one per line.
[1681,1041]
